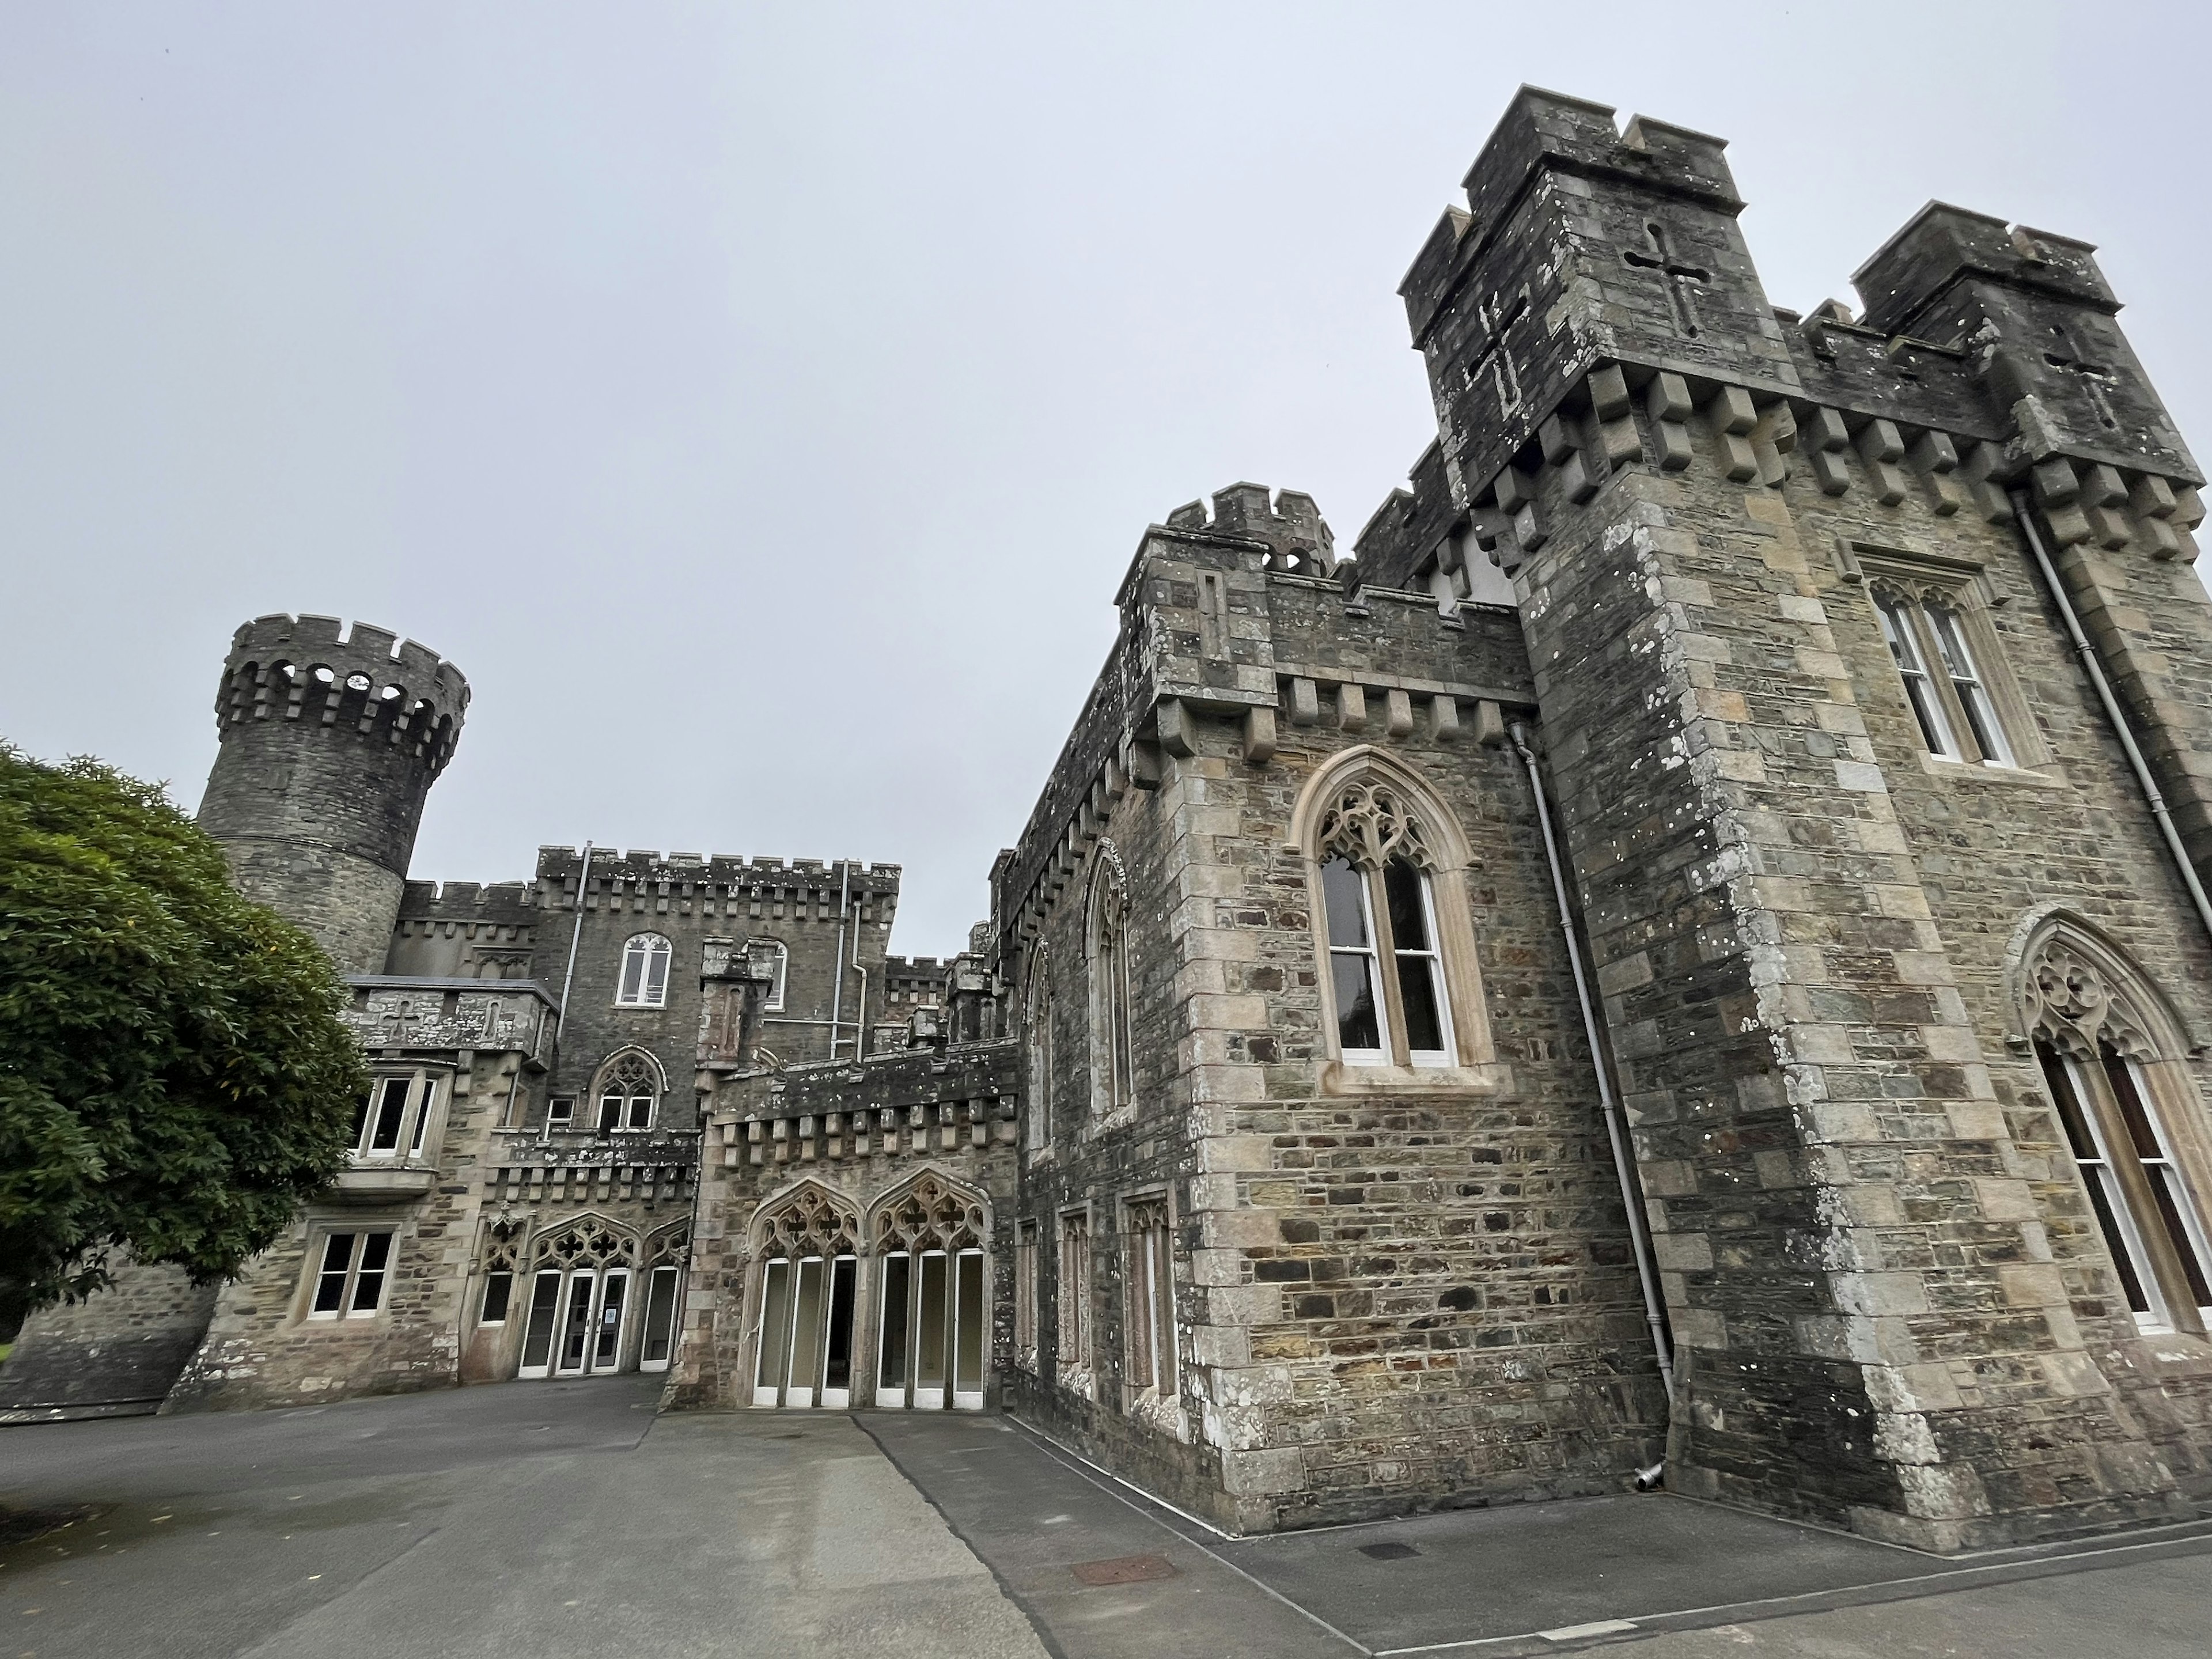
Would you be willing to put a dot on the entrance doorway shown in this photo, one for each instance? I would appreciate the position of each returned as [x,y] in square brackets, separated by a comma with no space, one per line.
[933,1321]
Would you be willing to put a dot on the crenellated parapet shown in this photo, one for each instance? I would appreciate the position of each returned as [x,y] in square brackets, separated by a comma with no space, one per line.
[719,884]
[360,682]
[332,737]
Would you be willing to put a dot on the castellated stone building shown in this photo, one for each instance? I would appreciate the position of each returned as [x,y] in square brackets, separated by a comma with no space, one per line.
[1685,946]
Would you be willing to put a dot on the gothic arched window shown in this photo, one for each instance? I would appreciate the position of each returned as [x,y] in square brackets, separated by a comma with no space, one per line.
[644,981]
[1113,1066]
[1390,999]
[628,1089]
[1386,864]
[1037,1018]
[2110,1060]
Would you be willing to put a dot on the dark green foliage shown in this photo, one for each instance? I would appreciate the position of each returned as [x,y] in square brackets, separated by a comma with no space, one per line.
[174,1076]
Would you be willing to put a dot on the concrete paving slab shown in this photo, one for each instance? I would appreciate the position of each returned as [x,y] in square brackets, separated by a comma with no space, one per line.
[525,1519]
[1476,1574]
[1035,1517]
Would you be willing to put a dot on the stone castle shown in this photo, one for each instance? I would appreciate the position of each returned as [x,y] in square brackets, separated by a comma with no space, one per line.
[1686,947]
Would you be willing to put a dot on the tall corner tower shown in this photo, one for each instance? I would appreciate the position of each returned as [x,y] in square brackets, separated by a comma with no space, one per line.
[330,741]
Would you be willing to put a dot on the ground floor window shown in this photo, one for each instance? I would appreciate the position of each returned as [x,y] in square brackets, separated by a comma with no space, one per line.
[350,1271]
[1025,1294]
[1149,1317]
[1074,1288]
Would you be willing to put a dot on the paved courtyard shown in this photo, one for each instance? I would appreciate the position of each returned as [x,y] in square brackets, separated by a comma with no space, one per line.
[557,1519]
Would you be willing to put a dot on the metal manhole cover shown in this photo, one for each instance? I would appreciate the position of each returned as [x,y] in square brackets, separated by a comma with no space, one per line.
[1123,1569]
[1389,1552]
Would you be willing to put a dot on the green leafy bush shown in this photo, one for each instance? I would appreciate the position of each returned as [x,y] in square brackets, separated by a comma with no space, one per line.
[174,1077]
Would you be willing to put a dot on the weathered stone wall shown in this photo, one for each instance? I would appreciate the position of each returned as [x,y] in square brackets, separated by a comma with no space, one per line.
[689,900]
[1391,1297]
[866,1133]
[113,1354]
[1857,1235]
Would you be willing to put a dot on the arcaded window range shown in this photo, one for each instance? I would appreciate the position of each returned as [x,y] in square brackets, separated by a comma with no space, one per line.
[904,1317]
[644,982]
[585,1314]
[2131,1116]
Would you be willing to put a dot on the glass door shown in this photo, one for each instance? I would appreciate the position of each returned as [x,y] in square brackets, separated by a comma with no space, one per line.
[804,1337]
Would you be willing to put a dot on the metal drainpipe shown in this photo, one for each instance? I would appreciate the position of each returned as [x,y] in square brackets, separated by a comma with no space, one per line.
[838,980]
[2095,670]
[576,935]
[1608,1107]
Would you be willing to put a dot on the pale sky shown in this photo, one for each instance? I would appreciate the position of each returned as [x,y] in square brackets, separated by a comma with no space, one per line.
[760,403]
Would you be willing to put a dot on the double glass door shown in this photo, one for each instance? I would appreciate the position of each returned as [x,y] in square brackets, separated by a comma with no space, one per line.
[933,1324]
[804,1338]
[577,1322]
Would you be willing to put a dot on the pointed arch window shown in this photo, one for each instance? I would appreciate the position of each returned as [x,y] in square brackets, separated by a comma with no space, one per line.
[1037,1016]
[644,982]
[1389,991]
[1113,1066]
[2126,1109]
[627,1092]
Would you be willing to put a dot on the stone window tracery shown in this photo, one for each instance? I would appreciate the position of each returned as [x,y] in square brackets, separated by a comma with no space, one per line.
[1113,1066]
[1947,655]
[628,1089]
[2127,1113]
[579,1320]
[808,1243]
[934,1309]
[1390,995]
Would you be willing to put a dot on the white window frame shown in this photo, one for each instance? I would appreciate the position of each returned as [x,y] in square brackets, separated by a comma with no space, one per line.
[1935,617]
[653,955]
[350,1271]
[772,1003]
[1381,956]
[626,1101]
[418,1094]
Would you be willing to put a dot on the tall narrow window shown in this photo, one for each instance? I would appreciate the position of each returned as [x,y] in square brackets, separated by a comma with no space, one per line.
[2122,1107]
[1973,696]
[1037,1016]
[628,1089]
[1149,1311]
[1025,1296]
[1903,642]
[1074,1290]
[1112,1064]
[933,1317]
[779,954]
[1389,993]
[644,982]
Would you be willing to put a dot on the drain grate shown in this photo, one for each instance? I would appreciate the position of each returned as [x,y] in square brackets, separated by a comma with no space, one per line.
[1387,1552]
[1123,1569]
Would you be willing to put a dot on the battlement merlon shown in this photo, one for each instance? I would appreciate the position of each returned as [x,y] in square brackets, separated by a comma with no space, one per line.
[559,868]
[309,641]
[1583,245]
[2038,324]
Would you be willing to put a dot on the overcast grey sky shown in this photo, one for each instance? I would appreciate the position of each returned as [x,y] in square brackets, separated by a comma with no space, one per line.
[760,403]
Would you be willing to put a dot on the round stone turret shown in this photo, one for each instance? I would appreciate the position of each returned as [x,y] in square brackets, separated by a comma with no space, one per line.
[330,741]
